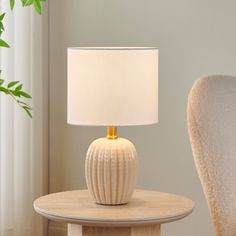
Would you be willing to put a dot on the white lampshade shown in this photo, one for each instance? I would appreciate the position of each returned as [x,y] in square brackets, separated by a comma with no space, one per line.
[112,86]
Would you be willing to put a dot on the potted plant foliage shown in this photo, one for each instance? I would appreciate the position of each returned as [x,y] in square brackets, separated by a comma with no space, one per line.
[14,88]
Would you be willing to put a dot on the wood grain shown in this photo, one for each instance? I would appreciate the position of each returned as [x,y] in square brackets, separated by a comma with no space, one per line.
[149,230]
[146,207]
[78,230]
[74,230]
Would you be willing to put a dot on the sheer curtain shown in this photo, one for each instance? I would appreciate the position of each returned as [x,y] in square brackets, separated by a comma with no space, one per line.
[23,141]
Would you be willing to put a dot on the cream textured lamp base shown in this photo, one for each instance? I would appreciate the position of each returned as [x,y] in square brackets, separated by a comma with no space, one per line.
[111,169]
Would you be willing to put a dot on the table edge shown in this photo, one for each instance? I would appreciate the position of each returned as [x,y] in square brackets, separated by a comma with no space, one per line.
[112,223]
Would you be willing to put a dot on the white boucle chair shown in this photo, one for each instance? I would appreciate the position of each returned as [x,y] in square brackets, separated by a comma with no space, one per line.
[212,130]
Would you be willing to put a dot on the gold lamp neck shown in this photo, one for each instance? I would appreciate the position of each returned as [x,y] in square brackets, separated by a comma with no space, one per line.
[112,133]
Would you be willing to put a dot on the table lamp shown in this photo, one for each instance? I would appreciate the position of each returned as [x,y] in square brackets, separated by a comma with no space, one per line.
[112,86]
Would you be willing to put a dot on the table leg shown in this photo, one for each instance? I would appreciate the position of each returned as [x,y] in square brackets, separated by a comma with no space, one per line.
[150,230]
[79,230]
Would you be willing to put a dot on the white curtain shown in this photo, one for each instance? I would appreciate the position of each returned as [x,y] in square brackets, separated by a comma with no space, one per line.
[23,141]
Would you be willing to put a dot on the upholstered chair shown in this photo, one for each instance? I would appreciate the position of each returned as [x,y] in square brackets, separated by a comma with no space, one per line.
[212,130]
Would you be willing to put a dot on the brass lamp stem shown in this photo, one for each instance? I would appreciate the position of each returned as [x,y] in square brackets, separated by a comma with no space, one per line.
[112,133]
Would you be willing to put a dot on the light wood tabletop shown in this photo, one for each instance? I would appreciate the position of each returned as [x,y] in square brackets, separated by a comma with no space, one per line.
[143,215]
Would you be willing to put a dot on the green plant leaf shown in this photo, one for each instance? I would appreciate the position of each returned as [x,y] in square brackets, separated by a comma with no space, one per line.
[4,44]
[27,2]
[22,102]
[13,88]
[27,111]
[27,107]
[11,84]
[6,91]
[16,93]
[37,6]
[24,94]
[2,16]
[19,87]
[12,4]
[1,27]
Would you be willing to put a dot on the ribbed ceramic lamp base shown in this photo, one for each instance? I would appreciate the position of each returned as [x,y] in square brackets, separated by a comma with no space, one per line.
[111,169]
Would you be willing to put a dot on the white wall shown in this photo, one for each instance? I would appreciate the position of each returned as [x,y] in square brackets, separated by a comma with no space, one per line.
[195,38]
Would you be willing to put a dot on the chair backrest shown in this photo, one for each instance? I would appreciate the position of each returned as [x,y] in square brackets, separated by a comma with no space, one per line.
[212,130]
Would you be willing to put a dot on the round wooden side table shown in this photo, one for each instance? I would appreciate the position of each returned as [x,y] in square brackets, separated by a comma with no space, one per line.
[143,215]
